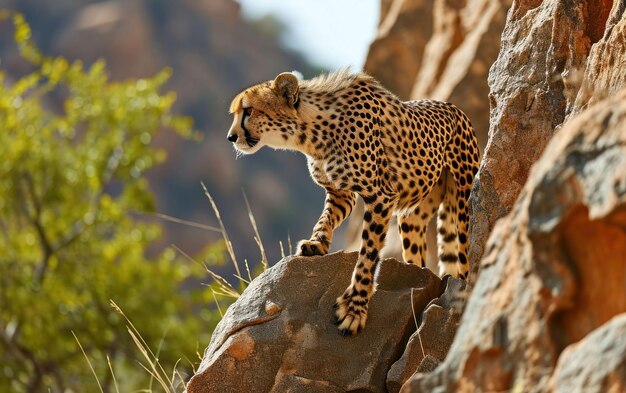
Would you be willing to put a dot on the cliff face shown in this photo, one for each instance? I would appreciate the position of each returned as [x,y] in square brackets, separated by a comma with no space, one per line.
[554,271]
[440,49]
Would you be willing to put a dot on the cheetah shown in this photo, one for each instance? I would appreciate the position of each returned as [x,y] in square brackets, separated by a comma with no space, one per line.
[413,158]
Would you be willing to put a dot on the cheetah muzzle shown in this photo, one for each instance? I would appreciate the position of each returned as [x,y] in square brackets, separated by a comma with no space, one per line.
[413,158]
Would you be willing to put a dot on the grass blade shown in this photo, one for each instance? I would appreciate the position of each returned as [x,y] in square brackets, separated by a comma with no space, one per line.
[229,245]
[417,326]
[219,280]
[282,250]
[143,346]
[217,304]
[182,221]
[117,388]
[245,261]
[289,241]
[257,236]
[88,362]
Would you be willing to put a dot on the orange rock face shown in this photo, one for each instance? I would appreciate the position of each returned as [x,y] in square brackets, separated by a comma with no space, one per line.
[578,366]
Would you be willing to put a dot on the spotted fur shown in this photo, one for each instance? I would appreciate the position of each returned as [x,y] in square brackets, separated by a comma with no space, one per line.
[414,158]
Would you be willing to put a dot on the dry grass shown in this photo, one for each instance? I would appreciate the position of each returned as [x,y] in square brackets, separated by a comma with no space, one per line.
[224,287]
[93,371]
[257,236]
[417,326]
[169,383]
[229,245]
[174,382]
[117,388]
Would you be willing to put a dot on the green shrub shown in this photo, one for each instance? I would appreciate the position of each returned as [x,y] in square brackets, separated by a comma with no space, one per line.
[71,182]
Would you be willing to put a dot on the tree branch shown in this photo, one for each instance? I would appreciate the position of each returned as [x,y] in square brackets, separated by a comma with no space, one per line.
[35,219]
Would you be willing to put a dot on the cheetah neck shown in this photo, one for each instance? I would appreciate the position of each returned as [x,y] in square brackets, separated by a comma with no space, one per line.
[318,124]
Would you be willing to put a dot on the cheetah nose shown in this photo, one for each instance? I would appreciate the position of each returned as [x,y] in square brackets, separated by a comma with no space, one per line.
[232,138]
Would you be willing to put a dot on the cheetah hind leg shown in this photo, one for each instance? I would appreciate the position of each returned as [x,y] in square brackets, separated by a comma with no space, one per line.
[413,226]
[447,229]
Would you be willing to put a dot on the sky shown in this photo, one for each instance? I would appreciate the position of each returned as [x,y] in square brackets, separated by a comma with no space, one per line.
[331,33]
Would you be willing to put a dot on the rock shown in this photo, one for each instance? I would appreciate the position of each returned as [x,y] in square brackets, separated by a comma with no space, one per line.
[578,367]
[395,56]
[279,336]
[429,345]
[549,49]
[602,76]
[428,364]
[554,269]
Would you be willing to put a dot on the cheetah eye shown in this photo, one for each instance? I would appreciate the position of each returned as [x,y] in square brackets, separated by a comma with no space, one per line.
[248,111]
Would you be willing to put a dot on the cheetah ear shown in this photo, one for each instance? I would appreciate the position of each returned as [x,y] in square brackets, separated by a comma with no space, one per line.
[286,86]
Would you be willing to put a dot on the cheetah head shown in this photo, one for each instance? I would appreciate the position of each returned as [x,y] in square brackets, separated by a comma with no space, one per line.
[265,114]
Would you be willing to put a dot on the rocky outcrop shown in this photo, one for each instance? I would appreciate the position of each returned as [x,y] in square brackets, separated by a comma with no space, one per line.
[279,335]
[429,345]
[556,58]
[553,273]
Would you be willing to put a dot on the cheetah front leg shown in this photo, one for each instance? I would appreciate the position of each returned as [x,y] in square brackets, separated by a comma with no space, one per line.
[337,207]
[351,307]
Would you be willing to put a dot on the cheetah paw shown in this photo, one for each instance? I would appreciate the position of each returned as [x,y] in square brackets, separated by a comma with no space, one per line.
[350,314]
[309,248]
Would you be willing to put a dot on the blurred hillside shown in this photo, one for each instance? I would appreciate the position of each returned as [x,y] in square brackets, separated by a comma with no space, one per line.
[213,53]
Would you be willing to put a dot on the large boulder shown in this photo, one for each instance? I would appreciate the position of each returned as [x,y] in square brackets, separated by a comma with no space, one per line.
[554,270]
[279,335]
